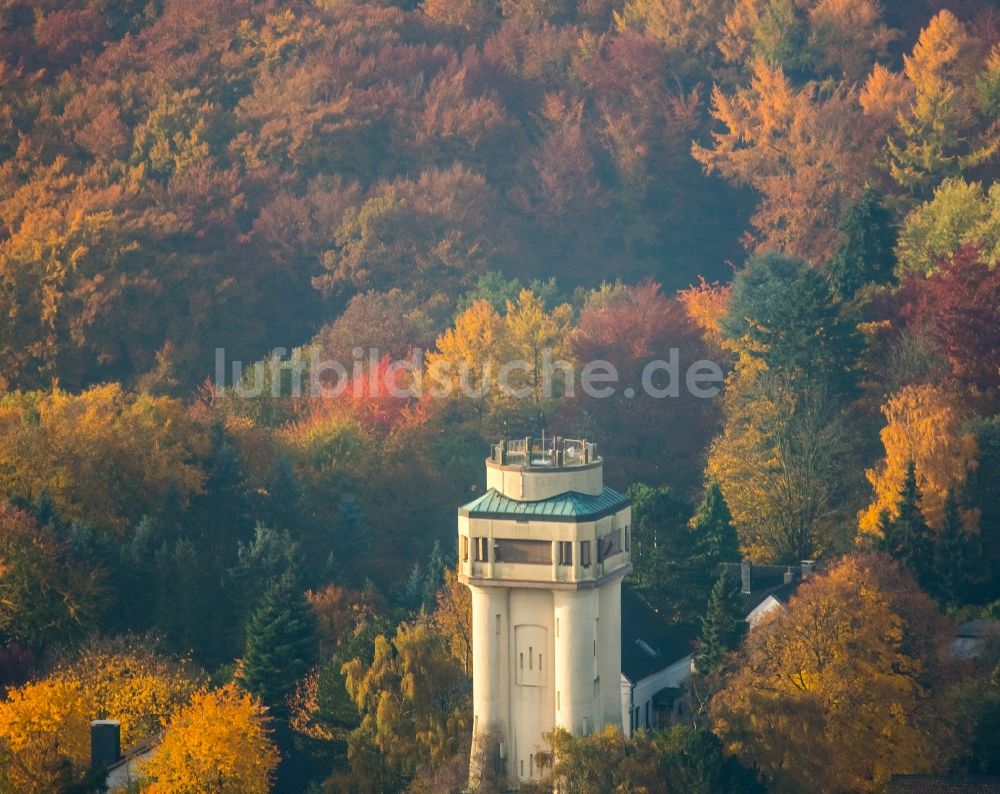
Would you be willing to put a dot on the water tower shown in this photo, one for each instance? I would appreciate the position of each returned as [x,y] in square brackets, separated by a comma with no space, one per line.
[543,551]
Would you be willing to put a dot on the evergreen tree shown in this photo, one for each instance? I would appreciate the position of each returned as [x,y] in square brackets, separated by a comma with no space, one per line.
[412,594]
[785,309]
[722,626]
[907,537]
[269,556]
[187,604]
[281,508]
[868,252]
[952,558]
[352,540]
[434,578]
[662,551]
[714,534]
[281,643]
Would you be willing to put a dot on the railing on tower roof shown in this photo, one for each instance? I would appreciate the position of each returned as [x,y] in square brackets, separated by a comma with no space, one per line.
[544,453]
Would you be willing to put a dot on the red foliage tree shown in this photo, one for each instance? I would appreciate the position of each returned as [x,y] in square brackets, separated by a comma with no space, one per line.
[959,308]
[657,439]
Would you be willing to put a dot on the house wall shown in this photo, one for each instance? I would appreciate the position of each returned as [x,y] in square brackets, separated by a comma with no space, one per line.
[641,695]
[769,604]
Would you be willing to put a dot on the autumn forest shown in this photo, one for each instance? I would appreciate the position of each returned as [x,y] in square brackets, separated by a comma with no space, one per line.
[261,579]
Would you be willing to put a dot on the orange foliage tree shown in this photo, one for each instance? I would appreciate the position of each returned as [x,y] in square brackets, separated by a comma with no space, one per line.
[706,304]
[925,425]
[836,692]
[803,149]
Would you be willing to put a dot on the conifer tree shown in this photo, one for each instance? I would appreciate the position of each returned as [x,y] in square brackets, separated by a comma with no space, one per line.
[281,643]
[722,627]
[412,593]
[907,537]
[352,540]
[952,557]
[715,536]
[867,253]
[434,577]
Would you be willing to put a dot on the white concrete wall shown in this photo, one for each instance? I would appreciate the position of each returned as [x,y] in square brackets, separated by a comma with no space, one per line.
[490,685]
[576,614]
[531,485]
[609,650]
[533,700]
[676,675]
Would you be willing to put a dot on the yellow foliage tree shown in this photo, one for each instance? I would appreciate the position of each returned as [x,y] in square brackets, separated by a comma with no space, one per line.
[840,38]
[453,618]
[780,461]
[219,743]
[501,360]
[688,30]
[44,736]
[926,425]
[835,694]
[466,355]
[414,699]
[44,725]
[531,331]
[127,682]
[103,456]
[938,131]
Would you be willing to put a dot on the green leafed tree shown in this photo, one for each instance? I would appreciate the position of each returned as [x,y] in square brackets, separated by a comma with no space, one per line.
[662,551]
[954,556]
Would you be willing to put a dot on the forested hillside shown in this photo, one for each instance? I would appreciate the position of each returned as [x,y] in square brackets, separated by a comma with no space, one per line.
[802,191]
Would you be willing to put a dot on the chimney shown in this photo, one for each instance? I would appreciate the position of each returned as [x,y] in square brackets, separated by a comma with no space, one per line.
[788,575]
[745,574]
[105,744]
[807,567]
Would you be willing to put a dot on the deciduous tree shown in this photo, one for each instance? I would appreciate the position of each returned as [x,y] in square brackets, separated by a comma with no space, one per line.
[414,699]
[925,426]
[939,133]
[44,736]
[782,464]
[219,742]
[46,595]
[958,215]
[958,310]
[803,149]
[837,692]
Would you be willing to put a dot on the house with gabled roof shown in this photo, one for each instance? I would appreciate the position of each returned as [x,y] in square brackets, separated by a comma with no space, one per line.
[656,665]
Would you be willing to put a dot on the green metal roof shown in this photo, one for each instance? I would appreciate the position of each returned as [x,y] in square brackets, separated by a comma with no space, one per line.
[572,506]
